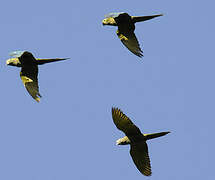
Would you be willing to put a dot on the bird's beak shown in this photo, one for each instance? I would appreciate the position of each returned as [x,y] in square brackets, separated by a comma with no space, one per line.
[103,22]
[13,62]
[117,142]
[8,62]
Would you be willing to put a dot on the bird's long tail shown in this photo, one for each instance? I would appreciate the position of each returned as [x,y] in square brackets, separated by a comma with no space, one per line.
[155,135]
[144,18]
[43,61]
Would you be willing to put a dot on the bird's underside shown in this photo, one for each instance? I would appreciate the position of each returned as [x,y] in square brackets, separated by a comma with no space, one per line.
[126,34]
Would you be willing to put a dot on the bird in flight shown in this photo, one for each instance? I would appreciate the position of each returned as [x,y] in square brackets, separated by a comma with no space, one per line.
[137,141]
[126,27]
[29,70]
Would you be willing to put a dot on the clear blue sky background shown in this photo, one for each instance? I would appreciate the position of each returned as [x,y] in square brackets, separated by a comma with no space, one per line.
[70,133]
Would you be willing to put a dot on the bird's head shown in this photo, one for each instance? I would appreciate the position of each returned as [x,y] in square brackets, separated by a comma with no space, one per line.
[13,62]
[111,18]
[123,141]
[109,21]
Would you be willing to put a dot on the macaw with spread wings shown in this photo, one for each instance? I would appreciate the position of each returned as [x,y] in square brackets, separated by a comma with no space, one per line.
[126,27]
[137,141]
[29,70]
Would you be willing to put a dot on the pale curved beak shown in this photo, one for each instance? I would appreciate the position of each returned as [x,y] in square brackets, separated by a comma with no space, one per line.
[117,142]
[103,22]
[8,62]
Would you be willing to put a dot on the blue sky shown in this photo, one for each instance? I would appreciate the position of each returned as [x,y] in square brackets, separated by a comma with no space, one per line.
[70,133]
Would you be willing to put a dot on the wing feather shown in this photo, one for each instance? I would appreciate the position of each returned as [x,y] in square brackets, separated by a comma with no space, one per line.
[124,124]
[140,156]
[30,81]
[131,42]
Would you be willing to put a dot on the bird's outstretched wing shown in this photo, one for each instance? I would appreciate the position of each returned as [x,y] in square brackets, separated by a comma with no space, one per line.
[30,81]
[124,124]
[130,41]
[140,156]
[43,61]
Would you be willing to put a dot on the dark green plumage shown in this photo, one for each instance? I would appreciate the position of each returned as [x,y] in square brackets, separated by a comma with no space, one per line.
[126,27]
[29,70]
[137,141]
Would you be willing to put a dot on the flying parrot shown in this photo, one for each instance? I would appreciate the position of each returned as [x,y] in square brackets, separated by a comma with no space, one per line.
[29,70]
[126,27]
[137,141]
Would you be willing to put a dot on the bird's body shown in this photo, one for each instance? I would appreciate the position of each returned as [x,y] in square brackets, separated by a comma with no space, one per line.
[126,27]
[29,70]
[137,140]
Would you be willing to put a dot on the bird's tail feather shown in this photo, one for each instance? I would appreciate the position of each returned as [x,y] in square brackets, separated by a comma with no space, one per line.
[144,18]
[155,135]
[43,61]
